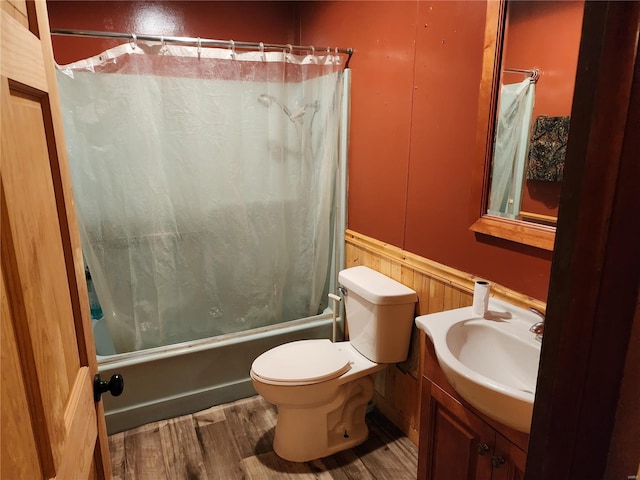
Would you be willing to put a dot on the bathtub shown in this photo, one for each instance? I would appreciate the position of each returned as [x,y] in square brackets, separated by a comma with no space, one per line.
[166,382]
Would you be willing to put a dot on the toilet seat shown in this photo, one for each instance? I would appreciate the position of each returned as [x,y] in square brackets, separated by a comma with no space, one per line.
[303,362]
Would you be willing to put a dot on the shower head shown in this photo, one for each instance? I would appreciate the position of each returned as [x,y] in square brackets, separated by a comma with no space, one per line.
[298,114]
[265,99]
[268,100]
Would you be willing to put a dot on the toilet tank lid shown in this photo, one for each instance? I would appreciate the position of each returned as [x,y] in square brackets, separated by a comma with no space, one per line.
[375,287]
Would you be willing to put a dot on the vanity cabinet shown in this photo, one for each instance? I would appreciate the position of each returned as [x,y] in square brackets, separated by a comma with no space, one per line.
[458,443]
[514,458]
[455,444]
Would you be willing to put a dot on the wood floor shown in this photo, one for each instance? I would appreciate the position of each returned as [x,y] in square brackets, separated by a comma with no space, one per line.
[234,441]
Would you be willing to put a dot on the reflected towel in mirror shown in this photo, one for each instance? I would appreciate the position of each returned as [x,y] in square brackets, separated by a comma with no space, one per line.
[547,148]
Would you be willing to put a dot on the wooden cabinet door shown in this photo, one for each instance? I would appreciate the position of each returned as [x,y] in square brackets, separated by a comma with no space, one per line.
[51,427]
[454,443]
[509,460]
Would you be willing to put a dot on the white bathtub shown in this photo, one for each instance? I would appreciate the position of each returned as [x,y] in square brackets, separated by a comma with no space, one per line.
[166,382]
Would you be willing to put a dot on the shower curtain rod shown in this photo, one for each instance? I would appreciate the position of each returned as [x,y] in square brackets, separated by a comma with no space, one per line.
[204,42]
[534,73]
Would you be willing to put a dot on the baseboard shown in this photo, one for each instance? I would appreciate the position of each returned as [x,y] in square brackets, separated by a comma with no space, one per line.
[133,416]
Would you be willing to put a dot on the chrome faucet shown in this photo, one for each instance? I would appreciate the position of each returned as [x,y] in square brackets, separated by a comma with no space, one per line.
[538,327]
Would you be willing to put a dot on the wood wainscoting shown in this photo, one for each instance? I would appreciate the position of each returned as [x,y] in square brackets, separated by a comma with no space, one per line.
[439,288]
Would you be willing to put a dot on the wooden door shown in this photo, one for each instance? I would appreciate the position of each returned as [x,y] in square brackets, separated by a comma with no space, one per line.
[51,426]
[457,444]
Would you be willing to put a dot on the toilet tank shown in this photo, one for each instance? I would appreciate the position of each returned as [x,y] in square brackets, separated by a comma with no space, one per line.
[380,314]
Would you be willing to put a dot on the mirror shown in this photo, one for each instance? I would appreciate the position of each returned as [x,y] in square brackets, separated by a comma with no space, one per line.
[529,68]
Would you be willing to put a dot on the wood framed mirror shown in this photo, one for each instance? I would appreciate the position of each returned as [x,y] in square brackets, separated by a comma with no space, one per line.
[530,55]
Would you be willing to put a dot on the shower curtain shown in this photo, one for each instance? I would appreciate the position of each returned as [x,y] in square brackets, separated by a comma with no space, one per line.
[510,148]
[204,182]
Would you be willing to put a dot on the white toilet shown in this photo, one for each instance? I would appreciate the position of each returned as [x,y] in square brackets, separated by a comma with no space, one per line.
[322,388]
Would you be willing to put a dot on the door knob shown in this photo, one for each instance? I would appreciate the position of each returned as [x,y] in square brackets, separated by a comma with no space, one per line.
[497,461]
[115,386]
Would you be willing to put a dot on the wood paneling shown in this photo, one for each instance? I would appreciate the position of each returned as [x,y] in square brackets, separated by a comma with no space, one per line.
[435,283]
[439,288]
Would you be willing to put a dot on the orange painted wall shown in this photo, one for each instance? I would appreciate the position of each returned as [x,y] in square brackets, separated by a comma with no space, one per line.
[269,22]
[383,36]
[545,35]
[416,74]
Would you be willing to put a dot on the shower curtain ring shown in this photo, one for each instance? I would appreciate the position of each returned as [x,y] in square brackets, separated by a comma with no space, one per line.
[233,49]
[134,42]
[289,48]
[536,75]
[199,47]
[262,54]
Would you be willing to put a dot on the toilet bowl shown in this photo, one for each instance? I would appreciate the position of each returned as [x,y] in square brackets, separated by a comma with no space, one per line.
[321,396]
[322,389]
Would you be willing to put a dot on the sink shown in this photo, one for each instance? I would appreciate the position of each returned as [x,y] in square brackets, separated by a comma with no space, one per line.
[492,362]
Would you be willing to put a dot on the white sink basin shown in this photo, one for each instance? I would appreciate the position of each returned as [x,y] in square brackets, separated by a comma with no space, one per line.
[491,362]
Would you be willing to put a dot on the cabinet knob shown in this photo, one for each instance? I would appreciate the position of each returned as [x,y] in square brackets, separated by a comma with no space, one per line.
[483,449]
[497,461]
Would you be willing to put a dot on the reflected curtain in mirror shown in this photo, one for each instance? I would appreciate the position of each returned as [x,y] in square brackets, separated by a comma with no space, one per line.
[510,148]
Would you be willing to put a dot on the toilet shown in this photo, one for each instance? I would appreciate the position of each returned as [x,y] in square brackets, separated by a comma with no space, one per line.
[322,389]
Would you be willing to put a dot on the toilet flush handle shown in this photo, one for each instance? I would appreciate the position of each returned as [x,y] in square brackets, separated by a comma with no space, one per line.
[335,299]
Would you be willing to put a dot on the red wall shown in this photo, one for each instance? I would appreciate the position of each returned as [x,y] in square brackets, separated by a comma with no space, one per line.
[383,36]
[416,74]
[269,22]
